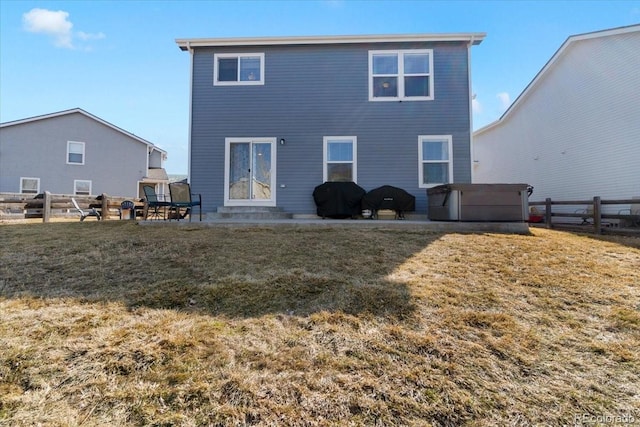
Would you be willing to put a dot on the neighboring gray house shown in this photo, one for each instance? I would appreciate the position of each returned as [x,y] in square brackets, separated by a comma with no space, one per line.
[272,118]
[74,152]
[574,133]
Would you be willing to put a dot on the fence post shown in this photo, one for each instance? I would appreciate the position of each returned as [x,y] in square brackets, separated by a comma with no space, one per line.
[547,212]
[46,206]
[597,215]
[105,206]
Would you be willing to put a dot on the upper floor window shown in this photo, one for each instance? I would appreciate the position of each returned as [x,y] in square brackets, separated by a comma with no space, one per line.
[435,164]
[340,158]
[238,69]
[401,75]
[30,185]
[75,153]
[81,187]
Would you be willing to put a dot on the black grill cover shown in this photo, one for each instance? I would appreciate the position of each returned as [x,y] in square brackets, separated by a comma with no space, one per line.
[388,197]
[338,199]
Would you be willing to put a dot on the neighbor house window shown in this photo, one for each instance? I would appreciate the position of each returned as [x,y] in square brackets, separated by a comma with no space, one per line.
[435,165]
[238,69]
[30,185]
[75,153]
[81,187]
[339,158]
[397,75]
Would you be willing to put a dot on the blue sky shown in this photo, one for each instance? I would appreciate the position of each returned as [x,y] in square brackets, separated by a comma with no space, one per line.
[118,59]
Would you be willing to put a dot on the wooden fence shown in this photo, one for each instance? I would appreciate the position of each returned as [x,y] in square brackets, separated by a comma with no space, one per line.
[625,221]
[47,206]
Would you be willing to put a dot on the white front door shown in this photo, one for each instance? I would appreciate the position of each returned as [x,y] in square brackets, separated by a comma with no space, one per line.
[250,172]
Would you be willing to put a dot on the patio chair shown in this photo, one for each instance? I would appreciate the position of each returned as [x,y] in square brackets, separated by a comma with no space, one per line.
[157,207]
[182,198]
[587,214]
[83,213]
[633,212]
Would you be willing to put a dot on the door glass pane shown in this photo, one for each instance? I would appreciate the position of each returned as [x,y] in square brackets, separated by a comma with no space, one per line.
[239,170]
[435,150]
[435,173]
[250,68]
[227,69]
[261,172]
[339,172]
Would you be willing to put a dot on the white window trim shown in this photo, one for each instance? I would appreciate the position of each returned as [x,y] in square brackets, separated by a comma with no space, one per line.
[354,162]
[421,138]
[83,152]
[75,186]
[29,177]
[238,82]
[401,75]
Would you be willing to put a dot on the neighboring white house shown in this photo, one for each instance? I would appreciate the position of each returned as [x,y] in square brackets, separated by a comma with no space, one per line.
[74,152]
[574,132]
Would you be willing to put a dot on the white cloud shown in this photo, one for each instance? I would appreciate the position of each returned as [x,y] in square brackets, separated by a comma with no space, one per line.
[89,36]
[56,24]
[505,100]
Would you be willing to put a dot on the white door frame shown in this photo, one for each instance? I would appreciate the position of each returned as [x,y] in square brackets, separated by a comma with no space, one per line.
[228,201]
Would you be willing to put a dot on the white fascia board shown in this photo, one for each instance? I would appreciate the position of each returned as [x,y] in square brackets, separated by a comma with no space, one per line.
[187,44]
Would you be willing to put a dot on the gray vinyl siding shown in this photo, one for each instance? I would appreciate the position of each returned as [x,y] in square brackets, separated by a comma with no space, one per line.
[316,91]
[114,162]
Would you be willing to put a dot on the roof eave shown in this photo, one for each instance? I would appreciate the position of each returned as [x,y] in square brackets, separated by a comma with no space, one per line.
[186,44]
[550,63]
[87,114]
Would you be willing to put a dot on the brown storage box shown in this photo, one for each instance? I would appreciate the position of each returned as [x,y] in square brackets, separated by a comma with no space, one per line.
[479,202]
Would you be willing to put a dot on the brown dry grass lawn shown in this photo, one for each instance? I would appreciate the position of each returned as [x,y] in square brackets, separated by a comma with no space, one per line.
[119,324]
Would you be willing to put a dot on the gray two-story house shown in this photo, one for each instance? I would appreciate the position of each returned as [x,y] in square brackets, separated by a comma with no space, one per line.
[272,118]
[75,152]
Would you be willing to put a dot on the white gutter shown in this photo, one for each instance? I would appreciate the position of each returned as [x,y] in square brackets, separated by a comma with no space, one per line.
[188,44]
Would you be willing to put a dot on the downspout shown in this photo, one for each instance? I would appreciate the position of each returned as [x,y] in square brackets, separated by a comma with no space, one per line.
[471,148]
[191,54]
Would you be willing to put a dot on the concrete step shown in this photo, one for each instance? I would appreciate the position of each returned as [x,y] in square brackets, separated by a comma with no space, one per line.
[249,212]
[248,209]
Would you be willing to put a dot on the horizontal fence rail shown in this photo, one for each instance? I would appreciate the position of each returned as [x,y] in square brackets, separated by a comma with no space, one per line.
[47,206]
[626,220]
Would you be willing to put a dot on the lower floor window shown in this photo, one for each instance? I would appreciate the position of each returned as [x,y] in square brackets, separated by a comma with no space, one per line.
[30,185]
[81,187]
[435,164]
[340,158]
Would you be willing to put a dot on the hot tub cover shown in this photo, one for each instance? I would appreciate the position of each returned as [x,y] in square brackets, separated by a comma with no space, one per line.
[338,199]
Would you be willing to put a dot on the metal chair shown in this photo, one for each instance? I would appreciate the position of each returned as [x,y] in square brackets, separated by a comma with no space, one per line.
[154,204]
[181,197]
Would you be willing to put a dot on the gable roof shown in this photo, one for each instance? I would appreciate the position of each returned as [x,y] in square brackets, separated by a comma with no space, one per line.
[188,44]
[552,62]
[84,113]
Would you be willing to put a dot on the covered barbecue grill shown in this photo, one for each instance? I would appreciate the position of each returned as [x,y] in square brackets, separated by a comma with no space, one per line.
[391,198]
[338,199]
